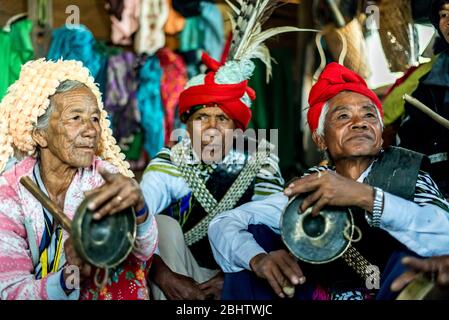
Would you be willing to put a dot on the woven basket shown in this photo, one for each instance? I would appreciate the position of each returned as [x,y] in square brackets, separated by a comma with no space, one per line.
[396,34]
[356,58]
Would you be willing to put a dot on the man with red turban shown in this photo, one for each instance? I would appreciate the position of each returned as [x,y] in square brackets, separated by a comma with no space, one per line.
[396,206]
[187,185]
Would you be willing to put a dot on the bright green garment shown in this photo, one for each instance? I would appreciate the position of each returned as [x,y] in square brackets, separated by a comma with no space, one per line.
[393,105]
[16,48]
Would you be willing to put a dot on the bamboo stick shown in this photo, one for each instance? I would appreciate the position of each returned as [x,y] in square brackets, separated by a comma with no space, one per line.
[47,203]
[425,109]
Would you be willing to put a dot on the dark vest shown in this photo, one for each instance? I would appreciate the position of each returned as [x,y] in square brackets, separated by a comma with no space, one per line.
[218,184]
[396,172]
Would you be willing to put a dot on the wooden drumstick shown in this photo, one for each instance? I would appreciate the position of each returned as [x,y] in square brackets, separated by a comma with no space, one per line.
[426,110]
[47,203]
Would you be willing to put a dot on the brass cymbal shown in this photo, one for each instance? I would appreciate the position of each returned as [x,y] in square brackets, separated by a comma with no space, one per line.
[316,240]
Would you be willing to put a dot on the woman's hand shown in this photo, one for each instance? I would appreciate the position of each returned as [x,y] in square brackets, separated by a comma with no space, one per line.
[117,193]
[73,259]
[330,188]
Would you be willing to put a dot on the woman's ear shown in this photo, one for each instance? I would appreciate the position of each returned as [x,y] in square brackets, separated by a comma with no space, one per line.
[40,137]
[319,141]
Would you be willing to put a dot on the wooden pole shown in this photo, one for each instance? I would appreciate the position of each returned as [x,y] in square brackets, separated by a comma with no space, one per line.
[47,203]
[426,110]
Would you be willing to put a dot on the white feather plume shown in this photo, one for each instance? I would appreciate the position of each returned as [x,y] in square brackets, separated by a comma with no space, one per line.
[248,38]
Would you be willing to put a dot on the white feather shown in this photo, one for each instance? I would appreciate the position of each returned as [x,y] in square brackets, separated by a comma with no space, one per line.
[250,43]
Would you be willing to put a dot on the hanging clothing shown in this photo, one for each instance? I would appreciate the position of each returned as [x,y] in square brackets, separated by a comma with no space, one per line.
[16,49]
[151,36]
[115,7]
[120,98]
[124,17]
[175,21]
[101,79]
[174,78]
[150,105]
[203,33]
[188,8]
[76,43]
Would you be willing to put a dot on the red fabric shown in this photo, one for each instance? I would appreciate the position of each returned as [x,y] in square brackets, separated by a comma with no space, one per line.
[126,282]
[400,81]
[334,79]
[226,96]
[174,79]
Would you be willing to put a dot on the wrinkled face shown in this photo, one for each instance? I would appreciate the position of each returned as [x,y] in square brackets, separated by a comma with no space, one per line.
[74,127]
[444,21]
[352,127]
[211,132]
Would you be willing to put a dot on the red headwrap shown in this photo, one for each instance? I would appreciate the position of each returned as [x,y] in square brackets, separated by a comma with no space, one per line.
[226,96]
[334,79]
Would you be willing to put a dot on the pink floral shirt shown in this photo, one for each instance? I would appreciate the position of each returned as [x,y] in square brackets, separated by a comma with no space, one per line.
[19,208]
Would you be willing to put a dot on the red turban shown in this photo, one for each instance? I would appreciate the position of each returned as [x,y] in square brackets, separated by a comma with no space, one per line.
[334,79]
[226,96]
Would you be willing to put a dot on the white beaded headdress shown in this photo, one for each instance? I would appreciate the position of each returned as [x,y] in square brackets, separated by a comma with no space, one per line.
[29,97]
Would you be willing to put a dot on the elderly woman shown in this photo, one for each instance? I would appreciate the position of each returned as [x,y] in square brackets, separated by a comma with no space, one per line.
[52,119]
[395,204]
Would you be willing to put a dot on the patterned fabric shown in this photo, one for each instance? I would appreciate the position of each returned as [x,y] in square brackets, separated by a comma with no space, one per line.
[205,31]
[120,98]
[174,78]
[51,245]
[426,192]
[18,209]
[125,20]
[268,181]
[126,282]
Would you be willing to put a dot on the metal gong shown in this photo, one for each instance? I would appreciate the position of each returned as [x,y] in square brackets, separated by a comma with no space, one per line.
[103,243]
[316,240]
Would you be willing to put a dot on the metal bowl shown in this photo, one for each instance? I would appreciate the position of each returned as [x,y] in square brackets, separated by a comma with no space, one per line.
[316,240]
[103,243]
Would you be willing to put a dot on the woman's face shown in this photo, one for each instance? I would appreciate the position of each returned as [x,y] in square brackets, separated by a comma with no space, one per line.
[74,127]
[444,21]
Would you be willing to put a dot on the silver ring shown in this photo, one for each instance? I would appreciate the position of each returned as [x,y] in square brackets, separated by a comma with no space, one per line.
[119,199]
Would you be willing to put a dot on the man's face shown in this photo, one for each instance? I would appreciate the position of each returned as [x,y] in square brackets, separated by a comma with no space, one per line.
[352,127]
[211,132]
[74,127]
[444,21]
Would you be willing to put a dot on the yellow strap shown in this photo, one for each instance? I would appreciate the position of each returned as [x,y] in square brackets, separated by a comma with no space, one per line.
[44,263]
[44,258]
[58,253]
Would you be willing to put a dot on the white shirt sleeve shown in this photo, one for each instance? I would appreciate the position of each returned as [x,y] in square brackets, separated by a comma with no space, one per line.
[232,245]
[160,190]
[424,229]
